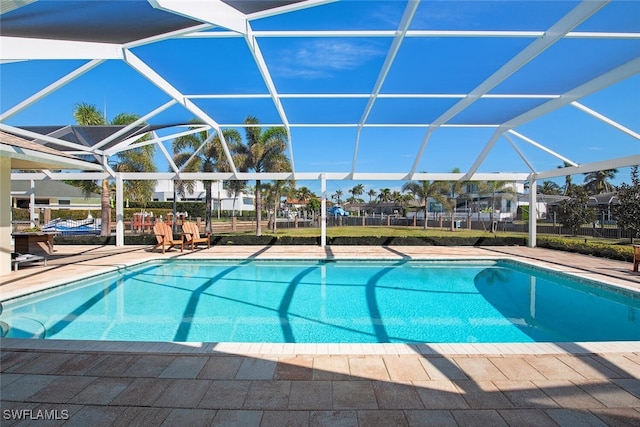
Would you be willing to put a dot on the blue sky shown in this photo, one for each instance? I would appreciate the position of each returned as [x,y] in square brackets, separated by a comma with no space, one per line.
[347,65]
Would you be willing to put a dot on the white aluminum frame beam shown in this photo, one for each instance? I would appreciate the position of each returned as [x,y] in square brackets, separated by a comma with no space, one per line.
[603,80]
[412,34]
[571,20]
[34,135]
[50,88]
[305,176]
[483,155]
[287,8]
[590,167]
[403,27]
[9,5]
[520,153]
[57,176]
[126,144]
[212,11]
[254,48]
[195,153]
[542,147]
[155,78]
[605,119]
[22,49]
[127,128]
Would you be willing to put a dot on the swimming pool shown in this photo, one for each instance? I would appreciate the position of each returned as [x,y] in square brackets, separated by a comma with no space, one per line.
[327,301]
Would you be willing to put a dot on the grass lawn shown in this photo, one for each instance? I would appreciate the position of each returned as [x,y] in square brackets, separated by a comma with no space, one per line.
[371,231]
[404,231]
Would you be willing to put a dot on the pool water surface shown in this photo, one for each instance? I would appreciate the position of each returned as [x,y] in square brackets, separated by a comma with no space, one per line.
[327,302]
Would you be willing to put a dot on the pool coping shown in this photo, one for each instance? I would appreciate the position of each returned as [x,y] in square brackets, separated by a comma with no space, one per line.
[299,349]
[293,349]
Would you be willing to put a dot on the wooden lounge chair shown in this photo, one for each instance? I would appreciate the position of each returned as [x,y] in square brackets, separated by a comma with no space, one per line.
[636,257]
[164,234]
[192,235]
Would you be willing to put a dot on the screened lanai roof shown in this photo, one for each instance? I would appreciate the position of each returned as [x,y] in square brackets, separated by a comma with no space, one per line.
[387,90]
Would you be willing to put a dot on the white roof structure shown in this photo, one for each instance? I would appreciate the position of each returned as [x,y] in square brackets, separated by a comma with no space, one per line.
[493,68]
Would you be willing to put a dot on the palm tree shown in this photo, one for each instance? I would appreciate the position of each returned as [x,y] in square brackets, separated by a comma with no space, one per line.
[134,160]
[567,179]
[549,188]
[235,187]
[356,191]
[453,190]
[272,193]
[422,191]
[89,115]
[304,194]
[385,195]
[192,153]
[493,189]
[138,159]
[264,152]
[371,193]
[597,182]
[337,196]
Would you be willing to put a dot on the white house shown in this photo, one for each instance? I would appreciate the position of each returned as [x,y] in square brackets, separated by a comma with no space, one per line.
[222,198]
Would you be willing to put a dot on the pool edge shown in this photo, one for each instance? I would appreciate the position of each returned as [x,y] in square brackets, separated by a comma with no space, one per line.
[280,349]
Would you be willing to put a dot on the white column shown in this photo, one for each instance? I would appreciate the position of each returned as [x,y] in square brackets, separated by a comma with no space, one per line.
[323,210]
[5,215]
[119,210]
[533,212]
[32,203]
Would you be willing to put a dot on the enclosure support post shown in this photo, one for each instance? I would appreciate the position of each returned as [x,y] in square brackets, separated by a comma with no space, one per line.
[323,210]
[533,212]
[119,210]
[32,203]
[5,215]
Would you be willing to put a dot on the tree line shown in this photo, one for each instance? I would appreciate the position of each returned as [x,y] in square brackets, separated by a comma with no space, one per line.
[264,150]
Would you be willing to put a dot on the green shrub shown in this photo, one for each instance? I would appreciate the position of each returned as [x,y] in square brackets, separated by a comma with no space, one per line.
[602,250]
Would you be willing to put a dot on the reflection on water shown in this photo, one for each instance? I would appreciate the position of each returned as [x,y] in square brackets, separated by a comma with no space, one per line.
[312,301]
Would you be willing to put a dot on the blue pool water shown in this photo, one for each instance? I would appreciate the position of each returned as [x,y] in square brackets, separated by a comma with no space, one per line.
[321,301]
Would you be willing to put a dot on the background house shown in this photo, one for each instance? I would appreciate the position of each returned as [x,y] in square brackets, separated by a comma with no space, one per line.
[51,194]
[222,197]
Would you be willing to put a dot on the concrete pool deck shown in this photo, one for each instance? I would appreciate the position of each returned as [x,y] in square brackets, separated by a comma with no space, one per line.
[110,383]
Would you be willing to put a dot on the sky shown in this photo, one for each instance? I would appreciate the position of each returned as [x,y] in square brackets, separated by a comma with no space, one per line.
[446,66]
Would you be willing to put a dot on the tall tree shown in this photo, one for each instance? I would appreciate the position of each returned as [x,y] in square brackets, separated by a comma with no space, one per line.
[138,159]
[598,182]
[337,196]
[385,195]
[422,191]
[88,115]
[203,152]
[264,152]
[549,188]
[273,193]
[371,193]
[573,212]
[453,190]
[567,179]
[235,187]
[357,190]
[495,189]
[628,211]
[304,194]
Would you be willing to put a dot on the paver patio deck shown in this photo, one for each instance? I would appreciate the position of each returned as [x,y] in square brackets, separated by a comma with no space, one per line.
[112,383]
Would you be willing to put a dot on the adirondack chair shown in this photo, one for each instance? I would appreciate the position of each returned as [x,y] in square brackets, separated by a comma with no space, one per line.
[636,257]
[192,235]
[164,235]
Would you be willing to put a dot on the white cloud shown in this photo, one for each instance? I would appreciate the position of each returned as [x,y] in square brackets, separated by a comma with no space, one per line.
[322,58]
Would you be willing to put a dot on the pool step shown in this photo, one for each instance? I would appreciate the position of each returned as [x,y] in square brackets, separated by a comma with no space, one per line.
[23,327]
